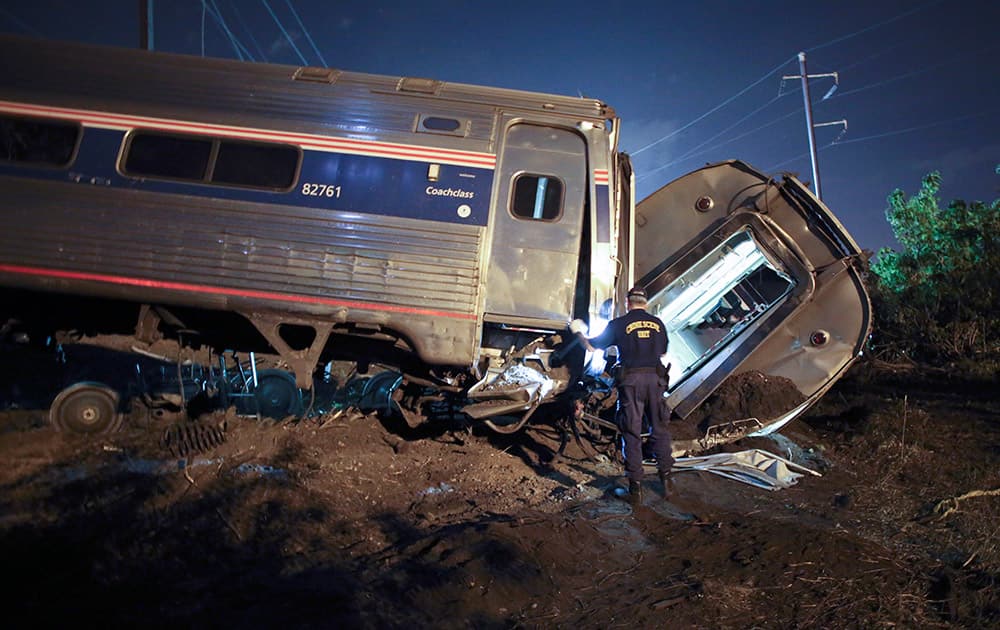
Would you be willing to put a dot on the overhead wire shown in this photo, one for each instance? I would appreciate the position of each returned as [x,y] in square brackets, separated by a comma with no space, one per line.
[694,150]
[305,31]
[886,134]
[714,109]
[729,100]
[919,127]
[758,81]
[894,79]
[248,31]
[914,73]
[221,21]
[902,15]
[721,144]
[842,69]
[797,157]
[20,23]
[281,26]
[871,57]
[204,10]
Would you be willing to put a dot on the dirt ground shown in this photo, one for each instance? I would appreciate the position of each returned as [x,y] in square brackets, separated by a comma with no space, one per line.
[347,521]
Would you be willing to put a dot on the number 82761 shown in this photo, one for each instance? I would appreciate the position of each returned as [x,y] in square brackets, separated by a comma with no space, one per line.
[320,190]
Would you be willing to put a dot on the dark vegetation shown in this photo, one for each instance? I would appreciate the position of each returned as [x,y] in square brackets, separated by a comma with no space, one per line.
[937,300]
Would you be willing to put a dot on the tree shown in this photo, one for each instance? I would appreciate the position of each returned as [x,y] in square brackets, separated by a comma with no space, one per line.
[937,294]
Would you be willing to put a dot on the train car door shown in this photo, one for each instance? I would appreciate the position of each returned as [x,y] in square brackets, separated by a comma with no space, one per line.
[537,223]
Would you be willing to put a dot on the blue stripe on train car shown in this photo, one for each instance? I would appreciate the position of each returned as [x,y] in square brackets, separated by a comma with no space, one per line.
[338,181]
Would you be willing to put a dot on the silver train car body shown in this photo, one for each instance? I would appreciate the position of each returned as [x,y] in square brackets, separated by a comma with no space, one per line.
[458,226]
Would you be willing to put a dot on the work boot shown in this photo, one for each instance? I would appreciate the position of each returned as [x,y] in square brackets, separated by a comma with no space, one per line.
[634,492]
[668,483]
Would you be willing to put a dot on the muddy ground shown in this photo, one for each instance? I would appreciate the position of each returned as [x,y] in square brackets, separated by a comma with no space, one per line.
[351,522]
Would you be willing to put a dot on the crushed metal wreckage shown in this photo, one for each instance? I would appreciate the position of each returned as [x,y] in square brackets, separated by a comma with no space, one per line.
[756,467]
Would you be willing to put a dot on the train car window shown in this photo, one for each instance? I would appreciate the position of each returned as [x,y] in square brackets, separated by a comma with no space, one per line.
[212,160]
[537,197]
[37,141]
[441,125]
[256,165]
[157,155]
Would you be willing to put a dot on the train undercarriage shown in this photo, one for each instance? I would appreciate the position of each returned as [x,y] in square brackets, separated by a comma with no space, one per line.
[94,375]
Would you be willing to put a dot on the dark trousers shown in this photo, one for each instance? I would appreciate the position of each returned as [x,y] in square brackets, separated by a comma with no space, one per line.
[642,393]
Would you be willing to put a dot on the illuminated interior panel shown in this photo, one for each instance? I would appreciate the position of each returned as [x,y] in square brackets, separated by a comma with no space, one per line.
[715,300]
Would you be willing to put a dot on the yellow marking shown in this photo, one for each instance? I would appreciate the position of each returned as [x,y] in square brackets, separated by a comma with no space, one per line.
[641,324]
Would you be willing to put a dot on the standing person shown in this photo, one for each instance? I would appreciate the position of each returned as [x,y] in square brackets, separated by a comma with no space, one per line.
[642,343]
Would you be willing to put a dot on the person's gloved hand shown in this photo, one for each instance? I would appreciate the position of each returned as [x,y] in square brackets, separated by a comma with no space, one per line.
[578,327]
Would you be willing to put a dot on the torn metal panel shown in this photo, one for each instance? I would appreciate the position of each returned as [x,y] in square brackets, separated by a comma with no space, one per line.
[755,467]
[717,434]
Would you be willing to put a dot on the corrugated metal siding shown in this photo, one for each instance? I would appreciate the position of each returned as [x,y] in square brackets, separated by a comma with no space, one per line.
[227,92]
[281,249]
[258,95]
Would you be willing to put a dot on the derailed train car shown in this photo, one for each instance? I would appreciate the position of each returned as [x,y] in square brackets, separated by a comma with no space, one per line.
[445,233]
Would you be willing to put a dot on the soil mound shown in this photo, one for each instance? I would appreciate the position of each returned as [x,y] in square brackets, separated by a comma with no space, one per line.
[749,394]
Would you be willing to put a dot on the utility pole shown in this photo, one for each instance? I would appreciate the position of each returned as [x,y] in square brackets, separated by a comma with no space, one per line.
[146,24]
[809,121]
[810,127]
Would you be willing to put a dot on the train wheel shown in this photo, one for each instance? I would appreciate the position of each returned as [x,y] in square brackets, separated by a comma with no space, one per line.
[277,395]
[86,407]
[378,391]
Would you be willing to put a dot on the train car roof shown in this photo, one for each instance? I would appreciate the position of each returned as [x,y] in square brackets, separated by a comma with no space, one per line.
[49,67]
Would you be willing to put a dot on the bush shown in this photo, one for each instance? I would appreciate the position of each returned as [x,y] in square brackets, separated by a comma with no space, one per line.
[936,299]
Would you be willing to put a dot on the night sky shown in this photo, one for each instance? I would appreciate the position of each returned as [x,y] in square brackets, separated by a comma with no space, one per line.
[694,82]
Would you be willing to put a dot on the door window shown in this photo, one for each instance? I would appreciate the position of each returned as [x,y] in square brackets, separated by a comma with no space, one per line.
[537,197]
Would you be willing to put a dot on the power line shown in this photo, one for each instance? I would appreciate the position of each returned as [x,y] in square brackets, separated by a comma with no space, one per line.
[284,32]
[869,58]
[305,31]
[918,127]
[874,26]
[714,109]
[204,10]
[721,144]
[20,23]
[692,151]
[872,56]
[897,132]
[221,21]
[797,157]
[914,73]
[817,47]
[249,32]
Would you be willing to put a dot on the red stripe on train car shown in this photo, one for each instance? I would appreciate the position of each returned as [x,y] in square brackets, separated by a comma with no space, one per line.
[328,143]
[244,293]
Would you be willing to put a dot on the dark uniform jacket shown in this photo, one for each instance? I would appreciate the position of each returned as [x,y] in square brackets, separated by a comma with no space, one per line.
[641,339]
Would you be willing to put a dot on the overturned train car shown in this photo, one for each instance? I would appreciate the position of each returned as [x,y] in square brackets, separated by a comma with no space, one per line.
[440,235]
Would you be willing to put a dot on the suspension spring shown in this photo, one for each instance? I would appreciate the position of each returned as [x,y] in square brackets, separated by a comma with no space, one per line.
[189,438]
